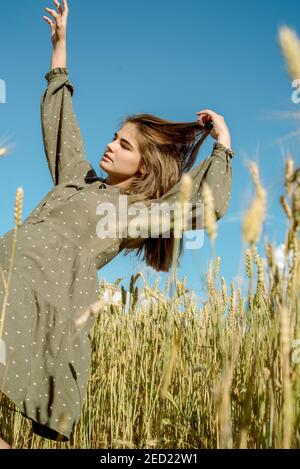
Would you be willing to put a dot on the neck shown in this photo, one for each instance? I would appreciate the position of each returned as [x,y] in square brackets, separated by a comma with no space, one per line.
[113,181]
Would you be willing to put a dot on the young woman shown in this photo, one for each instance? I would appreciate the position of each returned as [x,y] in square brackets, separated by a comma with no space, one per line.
[59,249]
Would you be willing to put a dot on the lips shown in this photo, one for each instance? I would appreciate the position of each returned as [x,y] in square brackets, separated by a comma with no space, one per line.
[107,156]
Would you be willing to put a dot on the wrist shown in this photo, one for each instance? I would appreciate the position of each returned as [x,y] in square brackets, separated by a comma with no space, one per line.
[225,140]
[59,56]
[61,44]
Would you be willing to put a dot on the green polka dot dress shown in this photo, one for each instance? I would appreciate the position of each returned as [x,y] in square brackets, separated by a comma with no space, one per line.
[44,355]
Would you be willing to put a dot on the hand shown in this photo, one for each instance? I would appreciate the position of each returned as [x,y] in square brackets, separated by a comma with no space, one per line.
[220,130]
[59,25]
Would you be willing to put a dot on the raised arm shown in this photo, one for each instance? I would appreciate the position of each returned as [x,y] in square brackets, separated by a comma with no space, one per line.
[58,27]
[62,138]
[215,170]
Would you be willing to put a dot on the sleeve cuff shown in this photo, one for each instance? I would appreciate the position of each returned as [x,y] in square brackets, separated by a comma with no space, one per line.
[56,71]
[220,146]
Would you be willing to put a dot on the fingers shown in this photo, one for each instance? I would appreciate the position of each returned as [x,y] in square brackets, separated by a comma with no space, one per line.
[52,13]
[207,111]
[62,11]
[49,21]
[204,117]
[208,114]
[57,4]
[66,8]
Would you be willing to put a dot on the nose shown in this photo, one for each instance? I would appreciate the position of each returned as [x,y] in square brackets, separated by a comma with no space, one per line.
[108,147]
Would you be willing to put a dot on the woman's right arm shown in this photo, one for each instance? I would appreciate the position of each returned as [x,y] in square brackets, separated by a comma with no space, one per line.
[63,143]
[58,33]
[59,55]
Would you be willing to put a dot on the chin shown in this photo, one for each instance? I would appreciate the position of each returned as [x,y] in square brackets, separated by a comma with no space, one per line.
[102,166]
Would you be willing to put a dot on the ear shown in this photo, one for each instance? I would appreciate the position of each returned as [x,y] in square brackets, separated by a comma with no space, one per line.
[142,171]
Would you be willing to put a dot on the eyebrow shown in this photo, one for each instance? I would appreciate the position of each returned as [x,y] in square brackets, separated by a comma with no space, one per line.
[126,141]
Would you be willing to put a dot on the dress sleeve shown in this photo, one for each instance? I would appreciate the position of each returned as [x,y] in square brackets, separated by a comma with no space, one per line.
[62,139]
[216,171]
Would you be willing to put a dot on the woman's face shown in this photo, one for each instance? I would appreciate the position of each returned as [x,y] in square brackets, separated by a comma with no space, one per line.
[125,159]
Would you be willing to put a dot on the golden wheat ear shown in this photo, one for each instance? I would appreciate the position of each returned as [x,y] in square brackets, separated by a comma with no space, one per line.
[6,150]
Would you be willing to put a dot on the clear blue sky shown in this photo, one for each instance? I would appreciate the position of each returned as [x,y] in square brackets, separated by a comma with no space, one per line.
[169,58]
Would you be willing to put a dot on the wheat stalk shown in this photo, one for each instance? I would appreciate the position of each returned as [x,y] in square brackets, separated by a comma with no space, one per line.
[17,220]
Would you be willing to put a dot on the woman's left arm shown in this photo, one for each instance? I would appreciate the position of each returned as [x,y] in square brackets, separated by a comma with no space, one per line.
[215,171]
[218,174]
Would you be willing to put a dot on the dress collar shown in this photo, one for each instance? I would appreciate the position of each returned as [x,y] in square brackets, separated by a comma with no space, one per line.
[108,186]
[92,177]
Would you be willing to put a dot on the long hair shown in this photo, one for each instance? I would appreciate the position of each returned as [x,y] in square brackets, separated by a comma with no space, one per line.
[168,149]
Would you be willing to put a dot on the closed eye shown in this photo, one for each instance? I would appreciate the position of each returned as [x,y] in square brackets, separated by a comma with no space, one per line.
[122,144]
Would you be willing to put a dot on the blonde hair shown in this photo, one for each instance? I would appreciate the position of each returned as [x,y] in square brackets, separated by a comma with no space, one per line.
[168,149]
